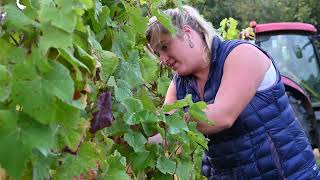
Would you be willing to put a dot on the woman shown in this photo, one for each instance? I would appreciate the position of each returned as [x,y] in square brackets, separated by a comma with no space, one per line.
[255,135]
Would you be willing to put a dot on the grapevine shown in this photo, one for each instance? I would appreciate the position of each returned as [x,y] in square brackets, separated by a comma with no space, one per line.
[79,96]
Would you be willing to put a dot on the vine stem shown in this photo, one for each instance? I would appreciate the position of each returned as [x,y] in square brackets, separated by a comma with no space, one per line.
[175,152]
[15,41]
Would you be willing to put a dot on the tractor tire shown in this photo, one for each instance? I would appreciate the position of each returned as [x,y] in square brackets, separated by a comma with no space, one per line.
[301,116]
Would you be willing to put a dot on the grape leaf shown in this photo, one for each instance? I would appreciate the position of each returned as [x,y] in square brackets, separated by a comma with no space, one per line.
[88,4]
[140,161]
[160,176]
[130,70]
[176,124]
[8,121]
[87,158]
[86,59]
[5,83]
[37,93]
[184,170]
[162,85]
[16,20]
[136,140]
[133,105]
[164,19]
[42,165]
[72,60]
[122,90]
[59,15]
[109,63]
[166,165]
[37,135]
[146,100]
[138,22]
[149,69]
[196,112]
[197,137]
[117,165]
[10,54]
[13,154]
[54,37]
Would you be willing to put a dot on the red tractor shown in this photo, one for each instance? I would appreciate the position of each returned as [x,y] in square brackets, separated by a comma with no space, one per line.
[293,47]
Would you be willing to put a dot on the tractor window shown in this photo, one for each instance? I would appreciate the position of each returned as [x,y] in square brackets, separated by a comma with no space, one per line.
[294,54]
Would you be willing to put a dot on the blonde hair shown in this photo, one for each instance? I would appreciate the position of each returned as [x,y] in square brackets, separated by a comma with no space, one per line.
[187,15]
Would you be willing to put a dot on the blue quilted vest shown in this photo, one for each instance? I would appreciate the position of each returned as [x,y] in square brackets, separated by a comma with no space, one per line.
[265,142]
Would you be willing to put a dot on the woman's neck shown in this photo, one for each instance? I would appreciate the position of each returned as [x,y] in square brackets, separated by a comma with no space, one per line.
[202,74]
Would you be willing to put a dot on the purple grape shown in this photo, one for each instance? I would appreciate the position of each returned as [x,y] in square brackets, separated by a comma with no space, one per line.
[103,117]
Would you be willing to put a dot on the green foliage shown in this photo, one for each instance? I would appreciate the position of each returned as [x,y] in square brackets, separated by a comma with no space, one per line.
[56,57]
[262,11]
[228,29]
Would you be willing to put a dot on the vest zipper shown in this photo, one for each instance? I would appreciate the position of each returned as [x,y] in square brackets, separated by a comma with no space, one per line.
[275,156]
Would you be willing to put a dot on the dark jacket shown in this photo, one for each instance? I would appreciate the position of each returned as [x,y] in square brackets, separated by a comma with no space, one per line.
[265,142]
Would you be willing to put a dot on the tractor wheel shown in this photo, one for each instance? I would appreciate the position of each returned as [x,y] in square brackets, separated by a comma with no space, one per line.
[301,115]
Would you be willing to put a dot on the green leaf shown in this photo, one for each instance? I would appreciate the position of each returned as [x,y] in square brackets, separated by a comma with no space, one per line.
[164,19]
[176,124]
[5,83]
[109,63]
[134,119]
[10,54]
[16,20]
[8,121]
[184,170]
[39,61]
[166,165]
[140,161]
[87,158]
[133,105]
[138,22]
[59,15]
[135,140]
[178,3]
[95,45]
[42,165]
[142,116]
[97,9]
[13,154]
[160,176]
[197,113]
[162,85]
[86,59]
[37,135]
[72,126]
[130,70]
[88,4]
[148,69]
[146,100]
[122,90]
[177,105]
[197,137]
[117,167]
[99,17]
[54,37]
[73,60]
[37,93]
[123,42]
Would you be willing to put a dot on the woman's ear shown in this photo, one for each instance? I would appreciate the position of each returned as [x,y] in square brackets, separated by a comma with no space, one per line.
[187,31]
[186,28]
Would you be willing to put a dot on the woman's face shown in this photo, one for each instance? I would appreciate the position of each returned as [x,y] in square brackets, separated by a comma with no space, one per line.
[177,54]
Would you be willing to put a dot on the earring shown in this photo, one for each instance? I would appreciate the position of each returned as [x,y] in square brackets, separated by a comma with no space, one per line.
[191,44]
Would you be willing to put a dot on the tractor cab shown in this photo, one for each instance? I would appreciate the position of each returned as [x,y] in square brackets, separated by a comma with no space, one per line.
[293,49]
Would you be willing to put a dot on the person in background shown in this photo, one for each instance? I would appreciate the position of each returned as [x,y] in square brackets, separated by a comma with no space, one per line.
[255,135]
